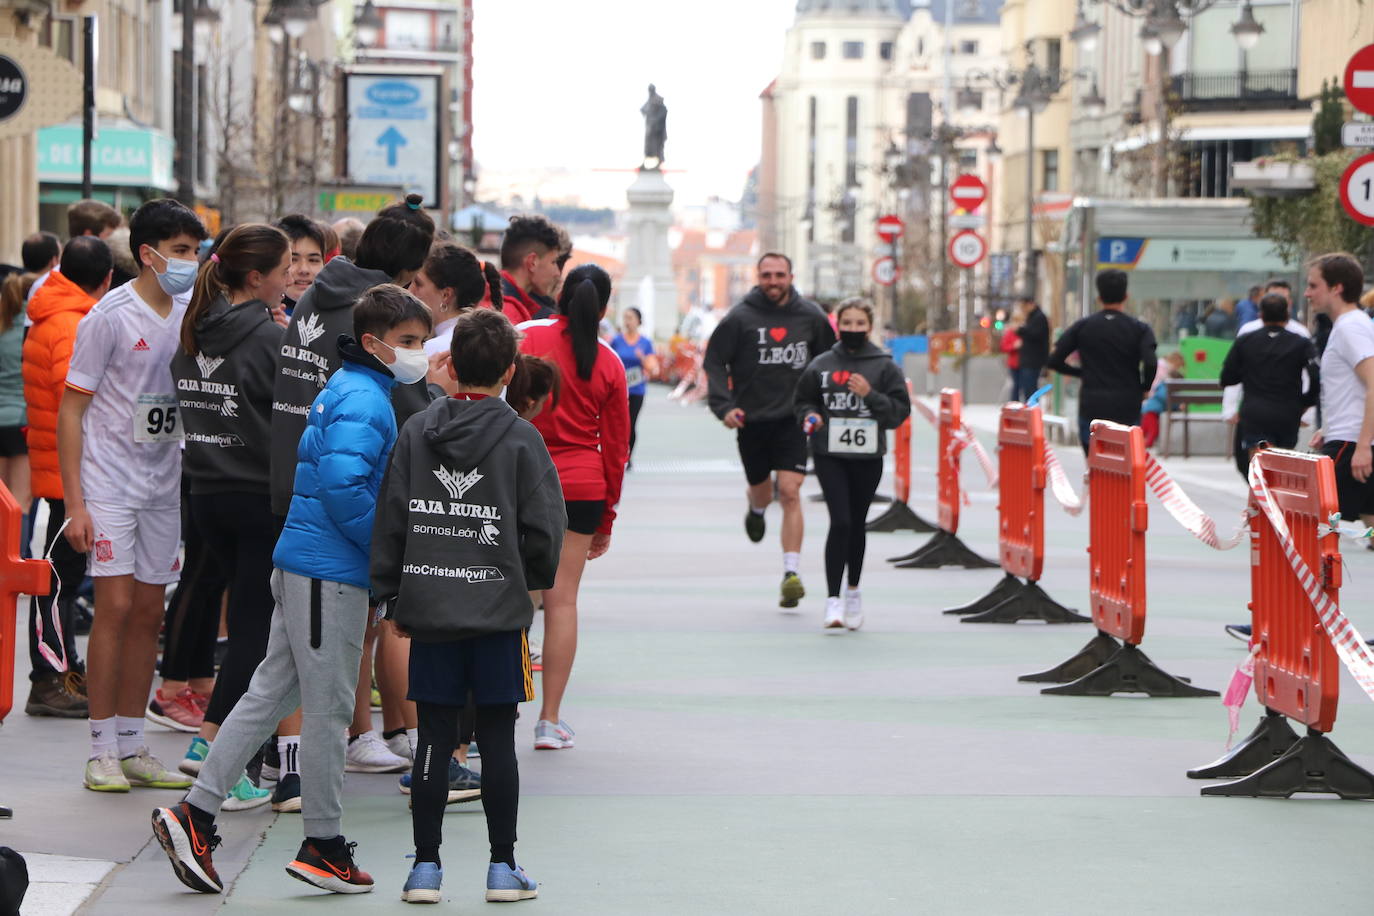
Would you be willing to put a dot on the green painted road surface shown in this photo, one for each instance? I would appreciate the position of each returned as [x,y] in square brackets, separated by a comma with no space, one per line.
[733,759]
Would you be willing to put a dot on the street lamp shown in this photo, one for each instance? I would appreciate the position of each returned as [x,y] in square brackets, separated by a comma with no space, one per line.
[273,21]
[1093,103]
[297,17]
[367,25]
[206,19]
[1247,30]
[1084,32]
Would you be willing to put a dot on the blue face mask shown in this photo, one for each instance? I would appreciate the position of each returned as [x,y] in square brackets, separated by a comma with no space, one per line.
[179,276]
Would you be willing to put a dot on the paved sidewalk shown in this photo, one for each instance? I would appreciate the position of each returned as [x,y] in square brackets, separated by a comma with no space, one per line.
[733,759]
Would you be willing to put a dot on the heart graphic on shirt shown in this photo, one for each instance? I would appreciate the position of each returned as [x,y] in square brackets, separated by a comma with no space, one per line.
[777,333]
[841,378]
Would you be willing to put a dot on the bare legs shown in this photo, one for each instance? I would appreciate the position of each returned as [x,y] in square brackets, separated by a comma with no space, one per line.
[560,623]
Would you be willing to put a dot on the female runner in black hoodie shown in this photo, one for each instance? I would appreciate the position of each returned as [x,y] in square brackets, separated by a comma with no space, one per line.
[845,400]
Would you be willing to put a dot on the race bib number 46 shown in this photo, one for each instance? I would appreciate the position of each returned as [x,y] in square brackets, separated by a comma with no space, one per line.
[853,437]
[155,419]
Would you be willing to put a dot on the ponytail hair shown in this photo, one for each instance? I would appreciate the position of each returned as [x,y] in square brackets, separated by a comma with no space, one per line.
[14,292]
[534,379]
[239,252]
[397,240]
[494,285]
[583,299]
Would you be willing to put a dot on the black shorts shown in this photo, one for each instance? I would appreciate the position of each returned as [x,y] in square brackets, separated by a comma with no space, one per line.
[1356,498]
[585,515]
[12,443]
[766,446]
[495,667]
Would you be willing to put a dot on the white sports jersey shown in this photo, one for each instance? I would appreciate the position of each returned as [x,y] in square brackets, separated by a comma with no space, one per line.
[131,434]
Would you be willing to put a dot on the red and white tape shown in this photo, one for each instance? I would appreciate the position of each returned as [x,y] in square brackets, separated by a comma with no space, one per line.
[963,439]
[1186,512]
[1060,486]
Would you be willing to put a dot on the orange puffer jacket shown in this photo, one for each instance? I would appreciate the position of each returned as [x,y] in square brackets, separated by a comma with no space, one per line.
[56,309]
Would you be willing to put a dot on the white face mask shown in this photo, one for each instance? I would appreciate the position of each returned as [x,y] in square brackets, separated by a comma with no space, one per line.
[179,276]
[410,365]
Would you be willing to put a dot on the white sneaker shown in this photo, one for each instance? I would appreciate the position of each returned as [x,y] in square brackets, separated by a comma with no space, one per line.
[368,753]
[853,609]
[834,614]
[400,746]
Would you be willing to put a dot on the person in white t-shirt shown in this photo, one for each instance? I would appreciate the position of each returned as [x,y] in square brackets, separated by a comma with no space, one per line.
[119,448]
[1334,282]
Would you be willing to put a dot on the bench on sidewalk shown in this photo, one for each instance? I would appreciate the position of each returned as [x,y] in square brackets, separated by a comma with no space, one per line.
[1181,395]
[1060,430]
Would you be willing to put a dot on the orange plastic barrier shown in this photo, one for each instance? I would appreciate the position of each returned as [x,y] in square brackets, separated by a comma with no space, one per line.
[1296,668]
[17,576]
[899,516]
[1118,518]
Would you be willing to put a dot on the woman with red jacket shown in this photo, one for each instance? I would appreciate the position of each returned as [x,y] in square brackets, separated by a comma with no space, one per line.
[588,436]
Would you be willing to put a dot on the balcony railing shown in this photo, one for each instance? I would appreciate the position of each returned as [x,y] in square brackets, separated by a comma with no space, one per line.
[1243,90]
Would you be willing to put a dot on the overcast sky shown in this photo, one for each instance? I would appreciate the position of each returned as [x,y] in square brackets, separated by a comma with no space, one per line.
[559,83]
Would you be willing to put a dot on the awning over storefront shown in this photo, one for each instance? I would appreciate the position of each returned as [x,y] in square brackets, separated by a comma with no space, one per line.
[121,157]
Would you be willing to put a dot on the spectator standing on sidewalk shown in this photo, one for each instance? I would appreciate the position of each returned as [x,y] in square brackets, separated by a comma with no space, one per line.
[1033,329]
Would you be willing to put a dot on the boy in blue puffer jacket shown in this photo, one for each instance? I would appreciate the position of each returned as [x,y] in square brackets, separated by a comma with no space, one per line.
[320,584]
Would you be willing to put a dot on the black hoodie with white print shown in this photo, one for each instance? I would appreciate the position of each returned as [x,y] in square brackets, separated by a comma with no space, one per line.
[224,396]
[470,519]
[854,426]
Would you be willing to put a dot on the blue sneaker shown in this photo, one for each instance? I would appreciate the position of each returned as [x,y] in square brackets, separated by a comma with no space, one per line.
[463,784]
[507,885]
[422,884]
[195,756]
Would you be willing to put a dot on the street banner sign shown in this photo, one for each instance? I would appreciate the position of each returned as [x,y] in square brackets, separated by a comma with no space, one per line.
[968,192]
[967,221]
[886,271]
[1357,190]
[1357,133]
[394,129]
[1359,79]
[890,228]
[967,248]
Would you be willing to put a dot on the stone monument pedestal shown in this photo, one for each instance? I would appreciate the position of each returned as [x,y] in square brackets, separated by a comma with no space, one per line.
[649,283]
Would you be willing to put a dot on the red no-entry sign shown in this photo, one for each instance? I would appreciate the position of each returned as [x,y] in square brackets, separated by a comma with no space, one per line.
[1359,79]
[969,192]
[890,228]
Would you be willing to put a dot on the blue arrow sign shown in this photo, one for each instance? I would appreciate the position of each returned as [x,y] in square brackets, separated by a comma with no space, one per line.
[392,139]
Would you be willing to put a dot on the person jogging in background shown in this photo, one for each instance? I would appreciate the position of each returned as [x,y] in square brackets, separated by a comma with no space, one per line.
[753,361]
[1116,359]
[463,598]
[57,689]
[531,263]
[641,364]
[320,585]
[1272,365]
[308,250]
[588,435]
[846,400]
[119,446]
[224,371]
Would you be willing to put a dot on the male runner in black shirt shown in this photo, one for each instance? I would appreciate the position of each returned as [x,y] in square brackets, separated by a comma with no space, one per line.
[1116,356]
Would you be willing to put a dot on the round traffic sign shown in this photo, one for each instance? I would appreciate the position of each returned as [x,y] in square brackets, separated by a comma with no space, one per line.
[969,192]
[967,248]
[1357,190]
[886,271]
[14,88]
[890,228]
[1359,79]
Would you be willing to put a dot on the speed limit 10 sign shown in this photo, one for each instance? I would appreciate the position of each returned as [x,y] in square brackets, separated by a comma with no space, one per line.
[1357,190]
[967,248]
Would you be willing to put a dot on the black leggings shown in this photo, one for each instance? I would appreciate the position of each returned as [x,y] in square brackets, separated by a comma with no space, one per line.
[69,567]
[848,485]
[636,405]
[192,619]
[429,779]
[237,528]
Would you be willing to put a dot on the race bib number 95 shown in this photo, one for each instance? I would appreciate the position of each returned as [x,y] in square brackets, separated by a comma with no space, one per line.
[853,437]
[155,419]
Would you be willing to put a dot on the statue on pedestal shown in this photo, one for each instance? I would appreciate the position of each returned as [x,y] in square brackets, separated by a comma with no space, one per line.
[655,129]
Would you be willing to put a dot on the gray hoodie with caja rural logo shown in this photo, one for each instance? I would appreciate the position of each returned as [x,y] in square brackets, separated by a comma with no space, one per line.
[470,519]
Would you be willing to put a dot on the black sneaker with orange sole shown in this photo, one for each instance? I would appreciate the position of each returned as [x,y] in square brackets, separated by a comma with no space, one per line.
[334,872]
[189,846]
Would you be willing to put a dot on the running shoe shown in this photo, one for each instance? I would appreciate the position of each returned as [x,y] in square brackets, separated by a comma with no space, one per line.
[422,884]
[286,797]
[180,713]
[271,761]
[245,795]
[75,684]
[550,736]
[792,591]
[1239,631]
[335,872]
[53,695]
[144,771]
[834,614]
[368,753]
[853,609]
[189,847]
[195,756]
[104,774]
[202,700]
[463,784]
[400,746]
[507,885]
[754,524]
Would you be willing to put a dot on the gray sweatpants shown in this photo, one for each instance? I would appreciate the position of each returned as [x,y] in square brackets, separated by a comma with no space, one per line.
[312,660]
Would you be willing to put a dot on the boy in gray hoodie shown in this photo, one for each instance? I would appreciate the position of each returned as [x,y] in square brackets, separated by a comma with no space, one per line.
[470,519]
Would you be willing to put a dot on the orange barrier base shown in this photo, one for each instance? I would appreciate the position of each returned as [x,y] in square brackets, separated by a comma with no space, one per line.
[944,549]
[1089,658]
[1028,603]
[1129,670]
[1270,740]
[1313,764]
[900,517]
